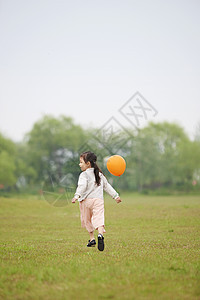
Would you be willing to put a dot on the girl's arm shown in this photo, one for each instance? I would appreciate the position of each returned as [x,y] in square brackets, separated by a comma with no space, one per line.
[110,190]
[81,188]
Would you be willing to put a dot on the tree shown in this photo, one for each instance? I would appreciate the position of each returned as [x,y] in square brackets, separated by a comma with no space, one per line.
[7,169]
[7,162]
[25,173]
[160,156]
[52,144]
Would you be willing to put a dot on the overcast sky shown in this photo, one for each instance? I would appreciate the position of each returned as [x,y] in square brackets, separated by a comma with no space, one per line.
[85,59]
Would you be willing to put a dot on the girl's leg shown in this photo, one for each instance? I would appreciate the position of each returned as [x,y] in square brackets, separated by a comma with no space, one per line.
[100,238]
[101,229]
[91,235]
[86,215]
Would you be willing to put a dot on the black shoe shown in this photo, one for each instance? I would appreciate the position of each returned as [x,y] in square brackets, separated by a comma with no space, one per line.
[91,243]
[100,242]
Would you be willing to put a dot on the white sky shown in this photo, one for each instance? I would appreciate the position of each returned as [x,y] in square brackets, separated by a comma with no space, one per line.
[85,59]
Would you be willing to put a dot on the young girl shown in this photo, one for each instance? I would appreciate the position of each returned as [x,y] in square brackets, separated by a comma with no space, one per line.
[89,193]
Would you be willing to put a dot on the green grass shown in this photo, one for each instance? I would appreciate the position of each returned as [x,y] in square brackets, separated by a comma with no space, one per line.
[152,250]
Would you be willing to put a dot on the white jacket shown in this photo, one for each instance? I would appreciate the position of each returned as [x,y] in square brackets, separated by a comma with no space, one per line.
[87,187]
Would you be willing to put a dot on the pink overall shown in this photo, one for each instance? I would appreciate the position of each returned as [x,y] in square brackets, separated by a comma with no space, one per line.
[92,213]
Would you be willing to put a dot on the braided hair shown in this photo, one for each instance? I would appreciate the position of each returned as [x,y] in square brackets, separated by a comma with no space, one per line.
[92,158]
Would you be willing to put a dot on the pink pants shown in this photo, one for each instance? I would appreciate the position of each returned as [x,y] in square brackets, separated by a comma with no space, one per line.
[92,213]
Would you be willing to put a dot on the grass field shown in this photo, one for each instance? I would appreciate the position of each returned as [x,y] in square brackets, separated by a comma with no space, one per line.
[152,250]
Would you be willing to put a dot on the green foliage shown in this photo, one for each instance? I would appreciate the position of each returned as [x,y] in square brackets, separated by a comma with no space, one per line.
[163,155]
[159,157]
[25,173]
[7,168]
[7,163]
[52,143]
[6,145]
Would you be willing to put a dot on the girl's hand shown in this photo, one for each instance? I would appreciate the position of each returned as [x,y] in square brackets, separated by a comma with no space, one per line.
[118,200]
[74,200]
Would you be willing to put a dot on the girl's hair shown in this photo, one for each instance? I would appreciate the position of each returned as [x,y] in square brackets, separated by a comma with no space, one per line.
[92,158]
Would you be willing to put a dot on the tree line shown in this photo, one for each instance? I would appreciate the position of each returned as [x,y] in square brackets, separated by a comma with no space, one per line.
[159,157]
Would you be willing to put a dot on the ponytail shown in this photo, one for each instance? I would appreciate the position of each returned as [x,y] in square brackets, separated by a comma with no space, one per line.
[91,157]
[96,174]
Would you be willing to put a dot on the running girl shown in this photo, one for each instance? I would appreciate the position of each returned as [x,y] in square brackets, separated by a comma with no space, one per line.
[89,193]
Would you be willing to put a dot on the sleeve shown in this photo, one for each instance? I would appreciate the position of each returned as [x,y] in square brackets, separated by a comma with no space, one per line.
[82,186]
[108,188]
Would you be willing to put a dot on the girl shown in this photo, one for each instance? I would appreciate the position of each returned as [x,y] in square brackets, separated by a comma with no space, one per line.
[89,193]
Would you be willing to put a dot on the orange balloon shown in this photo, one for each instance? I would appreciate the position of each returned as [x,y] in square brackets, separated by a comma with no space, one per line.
[116,165]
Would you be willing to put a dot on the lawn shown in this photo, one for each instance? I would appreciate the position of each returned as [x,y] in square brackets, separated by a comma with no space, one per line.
[152,250]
